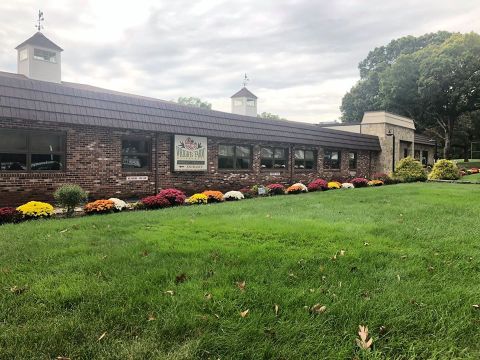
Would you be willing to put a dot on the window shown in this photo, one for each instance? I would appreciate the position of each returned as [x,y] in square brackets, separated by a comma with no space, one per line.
[425,157]
[237,102]
[304,159]
[250,102]
[136,154]
[23,55]
[416,155]
[273,158]
[405,152]
[234,157]
[39,54]
[352,160]
[31,151]
[331,160]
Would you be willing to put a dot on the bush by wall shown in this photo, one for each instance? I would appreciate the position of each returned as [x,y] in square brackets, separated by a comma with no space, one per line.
[197,199]
[155,202]
[318,185]
[99,207]
[174,196]
[276,189]
[386,178]
[9,215]
[213,196]
[35,209]
[359,182]
[247,193]
[118,204]
[409,170]
[444,170]
[69,196]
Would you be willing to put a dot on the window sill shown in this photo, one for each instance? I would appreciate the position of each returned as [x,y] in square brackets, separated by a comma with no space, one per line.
[234,170]
[25,174]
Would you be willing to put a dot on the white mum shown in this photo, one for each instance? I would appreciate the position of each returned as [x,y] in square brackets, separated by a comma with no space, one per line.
[233,195]
[347,186]
[304,188]
[119,204]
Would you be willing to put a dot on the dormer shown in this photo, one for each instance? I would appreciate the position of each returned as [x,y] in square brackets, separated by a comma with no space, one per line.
[40,58]
[244,102]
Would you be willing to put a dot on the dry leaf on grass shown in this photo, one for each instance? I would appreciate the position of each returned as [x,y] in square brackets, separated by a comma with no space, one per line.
[245,313]
[241,285]
[476,306]
[363,342]
[17,290]
[180,278]
[102,336]
[145,253]
[62,358]
[318,309]
[170,292]
[208,296]
[151,317]
[342,253]
[63,231]
[277,308]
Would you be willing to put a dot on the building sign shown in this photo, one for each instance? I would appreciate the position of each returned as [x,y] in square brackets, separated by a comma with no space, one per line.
[189,153]
[137,178]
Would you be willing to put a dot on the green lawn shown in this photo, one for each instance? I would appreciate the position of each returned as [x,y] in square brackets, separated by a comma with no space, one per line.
[100,287]
[472,178]
[467,165]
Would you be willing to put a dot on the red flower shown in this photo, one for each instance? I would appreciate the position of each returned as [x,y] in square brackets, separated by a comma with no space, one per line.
[174,196]
[155,202]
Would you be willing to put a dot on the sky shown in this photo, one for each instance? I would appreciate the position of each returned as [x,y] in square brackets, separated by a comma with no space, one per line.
[301,56]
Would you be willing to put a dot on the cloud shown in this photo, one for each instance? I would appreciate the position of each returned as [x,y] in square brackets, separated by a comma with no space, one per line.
[301,55]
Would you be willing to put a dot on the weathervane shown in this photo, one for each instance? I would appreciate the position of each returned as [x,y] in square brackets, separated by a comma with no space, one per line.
[40,20]
[245,80]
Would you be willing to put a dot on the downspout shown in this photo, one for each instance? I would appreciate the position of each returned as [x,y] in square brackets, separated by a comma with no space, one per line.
[290,163]
[156,163]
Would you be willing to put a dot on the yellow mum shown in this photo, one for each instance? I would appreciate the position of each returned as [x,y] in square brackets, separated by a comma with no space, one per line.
[197,199]
[36,209]
[332,185]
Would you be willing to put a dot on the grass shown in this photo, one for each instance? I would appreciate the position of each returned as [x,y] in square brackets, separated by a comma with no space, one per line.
[467,165]
[87,287]
[472,178]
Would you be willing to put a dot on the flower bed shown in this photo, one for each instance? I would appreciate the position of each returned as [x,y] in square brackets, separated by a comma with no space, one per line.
[118,204]
[35,210]
[99,207]
[9,215]
[297,189]
[233,196]
[318,185]
[247,193]
[359,182]
[276,189]
[155,202]
[347,186]
[333,185]
[213,196]
[197,199]
[174,196]
[375,183]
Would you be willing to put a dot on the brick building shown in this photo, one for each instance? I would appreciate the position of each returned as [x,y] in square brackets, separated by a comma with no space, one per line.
[115,144]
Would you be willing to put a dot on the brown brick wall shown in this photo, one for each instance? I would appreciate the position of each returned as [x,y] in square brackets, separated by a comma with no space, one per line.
[93,161]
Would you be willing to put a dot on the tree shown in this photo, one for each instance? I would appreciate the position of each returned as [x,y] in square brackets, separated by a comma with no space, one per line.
[267,115]
[365,95]
[194,101]
[437,85]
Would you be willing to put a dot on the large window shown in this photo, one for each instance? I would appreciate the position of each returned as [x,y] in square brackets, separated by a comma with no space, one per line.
[425,157]
[136,154]
[44,55]
[304,159]
[273,158]
[352,160]
[234,157]
[22,150]
[331,159]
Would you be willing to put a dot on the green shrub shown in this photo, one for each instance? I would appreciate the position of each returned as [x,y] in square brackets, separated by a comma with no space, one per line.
[409,170]
[444,170]
[70,196]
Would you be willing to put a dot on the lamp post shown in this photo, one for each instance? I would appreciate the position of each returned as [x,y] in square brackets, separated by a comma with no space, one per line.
[435,155]
[392,134]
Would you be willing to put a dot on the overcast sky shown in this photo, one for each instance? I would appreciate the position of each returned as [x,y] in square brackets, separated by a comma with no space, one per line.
[301,56]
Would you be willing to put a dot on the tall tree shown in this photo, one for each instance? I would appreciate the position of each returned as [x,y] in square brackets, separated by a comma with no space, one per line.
[365,95]
[194,101]
[437,85]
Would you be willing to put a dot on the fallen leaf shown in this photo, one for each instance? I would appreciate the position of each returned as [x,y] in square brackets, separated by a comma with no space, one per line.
[366,244]
[170,292]
[382,330]
[334,257]
[318,309]
[62,358]
[208,296]
[276,309]
[342,253]
[362,342]
[63,231]
[151,317]
[145,253]
[241,285]
[217,316]
[403,256]
[17,290]
[244,314]
[102,336]
[476,306]
[398,277]
[180,278]
[104,257]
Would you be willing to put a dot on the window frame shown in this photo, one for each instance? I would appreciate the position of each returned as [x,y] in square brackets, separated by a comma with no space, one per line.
[326,165]
[315,159]
[235,158]
[148,141]
[36,57]
[29,152]
[273,148]
[349,160]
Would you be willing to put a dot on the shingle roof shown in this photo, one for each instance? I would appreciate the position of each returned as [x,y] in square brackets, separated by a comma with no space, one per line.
[422,139]
[38,39]
[244,92]
[34,100]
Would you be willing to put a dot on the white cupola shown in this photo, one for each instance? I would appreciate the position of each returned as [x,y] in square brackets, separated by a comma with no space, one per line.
[40,58]
[244,102]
